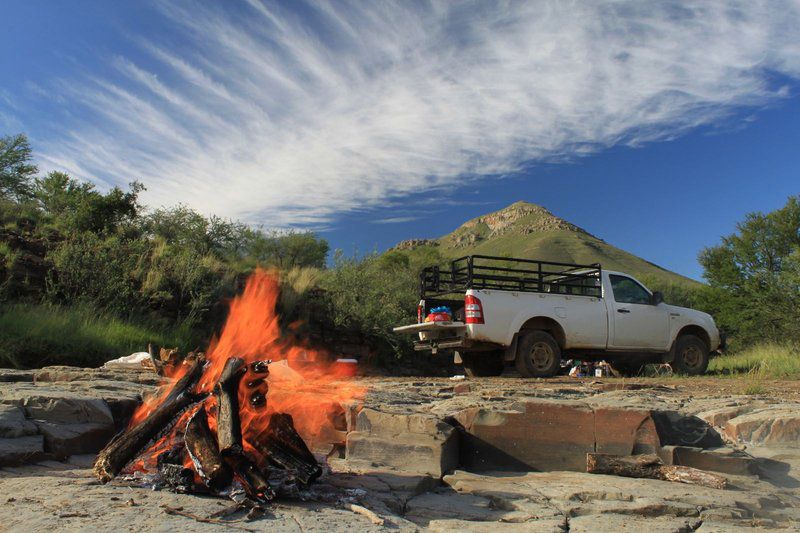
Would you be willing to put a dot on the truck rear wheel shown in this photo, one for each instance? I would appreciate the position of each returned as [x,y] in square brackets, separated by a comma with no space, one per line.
[691,356]
[538,355]
[482,364]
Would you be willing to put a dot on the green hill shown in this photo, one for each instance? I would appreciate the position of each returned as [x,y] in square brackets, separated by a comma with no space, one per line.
[530,231]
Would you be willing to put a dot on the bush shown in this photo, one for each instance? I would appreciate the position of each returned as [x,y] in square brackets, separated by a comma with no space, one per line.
[38,335]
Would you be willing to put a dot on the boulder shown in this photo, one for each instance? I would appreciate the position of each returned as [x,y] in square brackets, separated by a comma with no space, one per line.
[21,450]
[13,423]
[63,440]
[413,443]
[774,426]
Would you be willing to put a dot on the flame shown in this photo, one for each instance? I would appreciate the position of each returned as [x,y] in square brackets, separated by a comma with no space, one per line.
[302,381]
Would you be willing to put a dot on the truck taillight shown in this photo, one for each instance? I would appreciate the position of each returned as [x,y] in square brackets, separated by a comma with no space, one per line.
[421,311]
[473,310]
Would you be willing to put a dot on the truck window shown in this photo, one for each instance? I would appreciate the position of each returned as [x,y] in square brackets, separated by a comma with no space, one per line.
[628,291]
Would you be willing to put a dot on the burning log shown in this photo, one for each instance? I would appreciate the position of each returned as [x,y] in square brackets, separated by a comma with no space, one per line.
[284,447]
[204,452]
[651,467]
[229,430]
[126,446]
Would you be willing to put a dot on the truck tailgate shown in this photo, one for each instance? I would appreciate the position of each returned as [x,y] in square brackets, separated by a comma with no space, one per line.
[435,335]
[431,326]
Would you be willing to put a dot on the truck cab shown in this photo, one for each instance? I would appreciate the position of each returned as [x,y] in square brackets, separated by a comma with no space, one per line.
[536,313]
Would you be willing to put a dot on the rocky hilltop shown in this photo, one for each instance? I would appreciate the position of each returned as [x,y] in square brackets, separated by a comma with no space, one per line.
[531,231]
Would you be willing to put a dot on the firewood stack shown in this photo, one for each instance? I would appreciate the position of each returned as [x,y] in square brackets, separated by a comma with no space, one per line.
[200,459]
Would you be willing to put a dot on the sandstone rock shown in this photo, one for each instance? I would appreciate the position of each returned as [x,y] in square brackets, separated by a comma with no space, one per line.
[771,426]
[13,423]
[540,435]
[68,409]
[556,435]
[720,416]
[651,524]
[70,402]
[415,443]
[21,450]
[8,375]
[63,440]
[413,453]
[725,460]
[624,432]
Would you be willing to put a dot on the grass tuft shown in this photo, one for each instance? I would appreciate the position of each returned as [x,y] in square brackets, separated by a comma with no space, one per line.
[33,336]
[762,361]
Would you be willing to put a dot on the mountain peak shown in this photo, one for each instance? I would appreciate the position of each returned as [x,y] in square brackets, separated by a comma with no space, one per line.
[522,218]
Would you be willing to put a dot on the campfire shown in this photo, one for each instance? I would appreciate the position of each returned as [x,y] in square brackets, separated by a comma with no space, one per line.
[239,421]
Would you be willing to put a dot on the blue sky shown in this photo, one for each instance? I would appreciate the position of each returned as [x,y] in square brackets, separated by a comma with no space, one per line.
[655,126]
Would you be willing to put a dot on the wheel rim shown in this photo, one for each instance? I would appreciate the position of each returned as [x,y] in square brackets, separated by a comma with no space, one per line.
[542,356]
[692,357]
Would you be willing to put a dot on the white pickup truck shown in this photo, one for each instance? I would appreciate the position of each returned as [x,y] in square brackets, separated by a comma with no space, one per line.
[536,313]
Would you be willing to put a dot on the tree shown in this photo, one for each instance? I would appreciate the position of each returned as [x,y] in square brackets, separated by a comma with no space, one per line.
[753,276]
[75,206]
[288,250]
[16,167]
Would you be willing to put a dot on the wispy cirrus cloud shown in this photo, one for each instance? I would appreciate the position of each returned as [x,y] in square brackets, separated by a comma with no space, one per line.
[287,114]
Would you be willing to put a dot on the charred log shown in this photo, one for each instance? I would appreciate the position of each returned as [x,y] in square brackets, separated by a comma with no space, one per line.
[260,367]
[173,473]
[229,429]
[651,467]
[126,446]
[255,483]
[204,452]
[285,448]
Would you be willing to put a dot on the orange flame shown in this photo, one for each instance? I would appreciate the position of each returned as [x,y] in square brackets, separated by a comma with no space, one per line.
[302,381]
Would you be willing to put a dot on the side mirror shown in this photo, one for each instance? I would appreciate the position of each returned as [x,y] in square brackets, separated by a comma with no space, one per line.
[657,298]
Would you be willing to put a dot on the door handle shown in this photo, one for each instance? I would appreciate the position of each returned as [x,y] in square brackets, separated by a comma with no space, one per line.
[623,310]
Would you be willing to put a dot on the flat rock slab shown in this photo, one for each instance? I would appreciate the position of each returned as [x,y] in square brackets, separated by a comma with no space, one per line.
[9,375]
[414,443]
[772,426]
[21,450]
[13,423]
[549,435]
[63,440]
[50,374]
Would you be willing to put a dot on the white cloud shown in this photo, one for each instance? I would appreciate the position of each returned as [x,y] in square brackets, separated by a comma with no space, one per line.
[287,118]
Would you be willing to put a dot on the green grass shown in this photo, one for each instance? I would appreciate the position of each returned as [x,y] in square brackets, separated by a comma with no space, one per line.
[763,361]
[33,336]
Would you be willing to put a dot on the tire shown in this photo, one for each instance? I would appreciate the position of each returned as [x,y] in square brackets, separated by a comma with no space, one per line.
[691,356]
[538,355]
[627,369]
[483,364]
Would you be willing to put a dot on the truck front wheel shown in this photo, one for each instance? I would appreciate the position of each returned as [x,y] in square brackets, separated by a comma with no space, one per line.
[691,356]
[538,355]
[482,364]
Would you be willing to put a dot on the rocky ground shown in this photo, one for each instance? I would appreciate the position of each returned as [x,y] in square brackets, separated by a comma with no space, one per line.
[433,453]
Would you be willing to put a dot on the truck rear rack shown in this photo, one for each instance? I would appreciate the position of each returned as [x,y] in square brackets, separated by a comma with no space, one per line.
[510,274]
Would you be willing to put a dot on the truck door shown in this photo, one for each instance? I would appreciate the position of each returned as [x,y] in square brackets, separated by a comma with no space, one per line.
[634,322]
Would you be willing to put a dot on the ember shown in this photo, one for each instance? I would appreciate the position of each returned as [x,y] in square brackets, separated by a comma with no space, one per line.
[240,418]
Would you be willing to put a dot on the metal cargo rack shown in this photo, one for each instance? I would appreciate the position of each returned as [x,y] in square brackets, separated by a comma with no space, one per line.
[510,274]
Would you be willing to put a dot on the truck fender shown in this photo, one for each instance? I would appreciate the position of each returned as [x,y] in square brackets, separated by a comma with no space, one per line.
[524,318]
